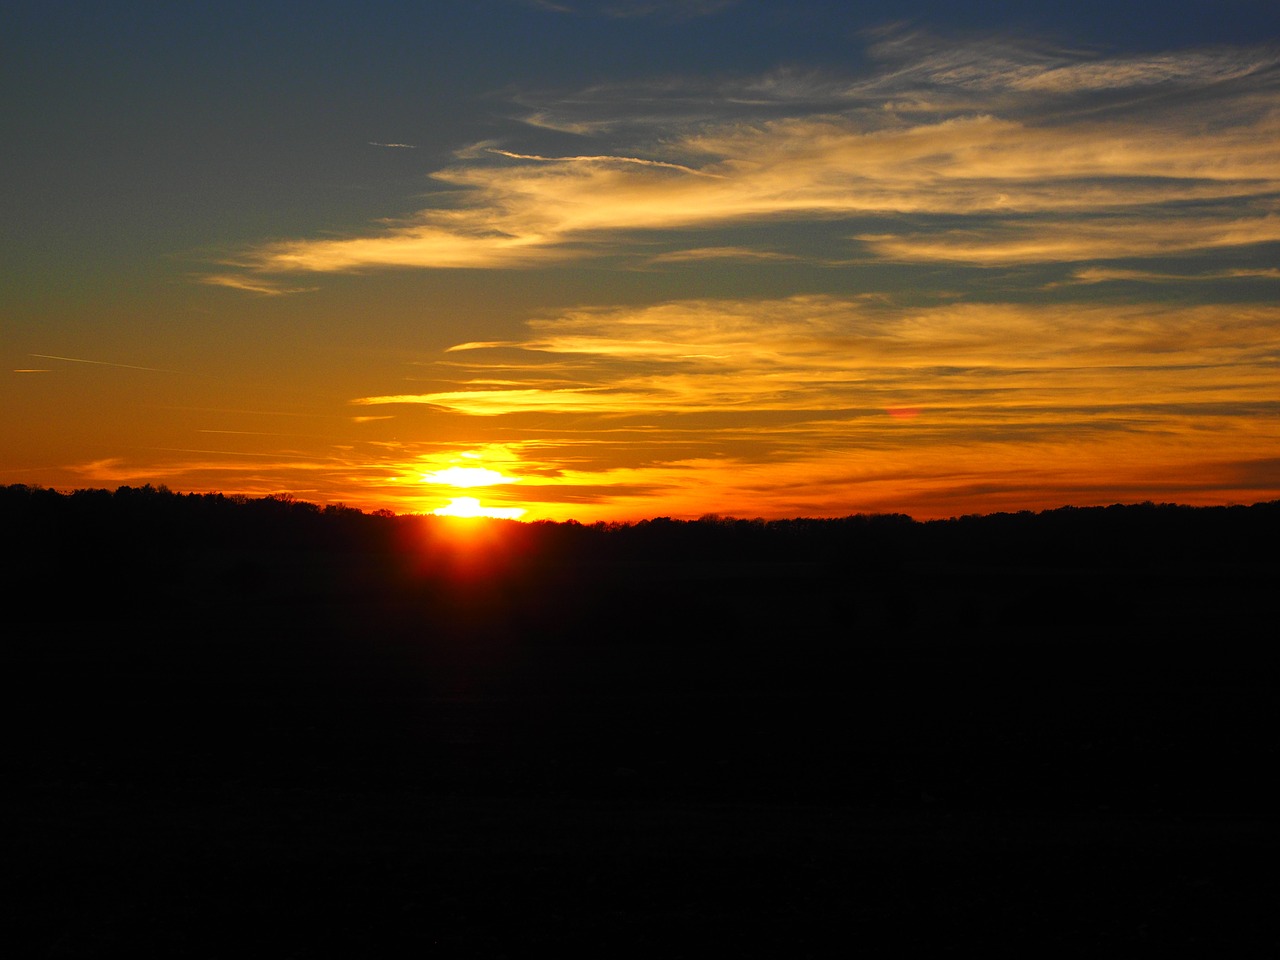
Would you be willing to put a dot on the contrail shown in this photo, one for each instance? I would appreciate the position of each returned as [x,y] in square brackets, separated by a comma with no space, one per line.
[100,363]
[601,159]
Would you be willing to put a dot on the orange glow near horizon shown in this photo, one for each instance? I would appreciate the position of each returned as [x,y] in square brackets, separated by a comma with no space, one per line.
[471,508]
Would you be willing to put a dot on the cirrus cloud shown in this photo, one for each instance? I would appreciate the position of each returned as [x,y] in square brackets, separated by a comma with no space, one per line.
[1004,134]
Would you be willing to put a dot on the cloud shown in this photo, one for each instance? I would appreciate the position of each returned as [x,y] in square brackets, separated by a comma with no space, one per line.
[345,476]
[1104,274]
[919,60]
[963,367]
[1053,240]
[252,284]
[794,406]
[605,159]
[400,146]
[722,253]
[225,464]
[1011,142]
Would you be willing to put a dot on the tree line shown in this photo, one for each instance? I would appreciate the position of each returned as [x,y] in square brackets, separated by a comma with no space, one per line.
[42,522]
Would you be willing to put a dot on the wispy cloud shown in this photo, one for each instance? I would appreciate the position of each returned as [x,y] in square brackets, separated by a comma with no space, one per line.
[604,159]
[1055,240]
[814,405]
[1013,162]
[918,59]
[723,253]
[251,283]
[1104,274]
[1012,136]
[961,364]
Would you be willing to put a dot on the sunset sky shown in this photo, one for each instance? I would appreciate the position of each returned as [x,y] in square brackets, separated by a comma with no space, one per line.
[636,258]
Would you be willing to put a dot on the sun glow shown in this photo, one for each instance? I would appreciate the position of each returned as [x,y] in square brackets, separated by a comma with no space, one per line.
[471,507]
[470,477]
[467,477]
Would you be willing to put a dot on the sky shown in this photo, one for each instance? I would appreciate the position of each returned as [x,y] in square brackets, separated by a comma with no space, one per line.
[626,259]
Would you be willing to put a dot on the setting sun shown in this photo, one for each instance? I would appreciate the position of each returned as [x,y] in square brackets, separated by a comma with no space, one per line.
[472,477]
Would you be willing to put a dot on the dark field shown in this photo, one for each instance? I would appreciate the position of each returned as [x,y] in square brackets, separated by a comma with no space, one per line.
[259,728]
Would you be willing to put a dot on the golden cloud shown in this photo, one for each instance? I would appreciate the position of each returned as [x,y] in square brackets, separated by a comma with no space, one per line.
[806,355]
[1052,181]
[1055,241]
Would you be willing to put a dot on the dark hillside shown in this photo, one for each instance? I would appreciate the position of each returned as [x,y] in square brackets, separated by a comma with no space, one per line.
[346,734]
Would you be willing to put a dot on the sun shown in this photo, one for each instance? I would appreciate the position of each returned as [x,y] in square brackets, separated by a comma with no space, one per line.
[469,477]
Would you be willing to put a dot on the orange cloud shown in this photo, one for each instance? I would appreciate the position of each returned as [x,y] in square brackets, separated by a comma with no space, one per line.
[1055,240]
[824,354]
